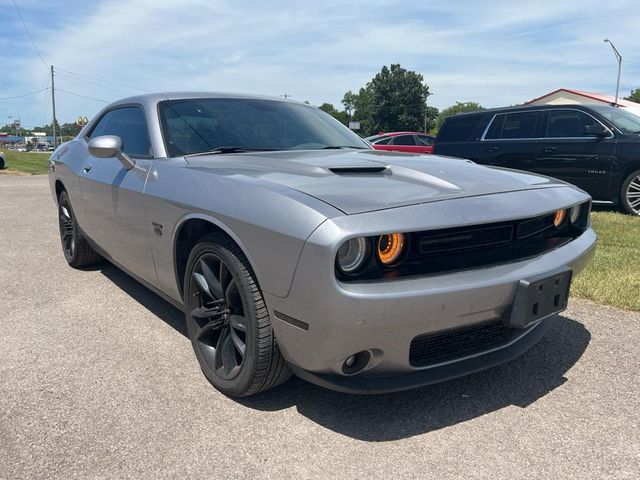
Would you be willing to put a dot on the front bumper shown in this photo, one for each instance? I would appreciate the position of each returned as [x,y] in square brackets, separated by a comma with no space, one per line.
[323,321]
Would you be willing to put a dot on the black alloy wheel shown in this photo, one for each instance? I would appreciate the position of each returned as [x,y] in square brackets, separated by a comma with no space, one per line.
[77,251]
[228,322]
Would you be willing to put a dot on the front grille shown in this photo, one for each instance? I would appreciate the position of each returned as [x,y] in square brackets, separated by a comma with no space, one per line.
[429,349]
[465,239]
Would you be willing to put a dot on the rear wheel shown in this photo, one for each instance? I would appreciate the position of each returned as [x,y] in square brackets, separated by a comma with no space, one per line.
[228,322]
[77,251]
[630,194]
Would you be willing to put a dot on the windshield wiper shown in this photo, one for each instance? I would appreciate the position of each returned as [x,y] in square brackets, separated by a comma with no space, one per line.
[223,150]
[338,147]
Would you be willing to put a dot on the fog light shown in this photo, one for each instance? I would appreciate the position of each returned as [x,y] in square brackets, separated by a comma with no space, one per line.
[558,220]
[356,363]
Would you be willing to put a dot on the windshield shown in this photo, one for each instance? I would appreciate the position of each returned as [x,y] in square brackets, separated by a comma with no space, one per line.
[229,125]
[624,121]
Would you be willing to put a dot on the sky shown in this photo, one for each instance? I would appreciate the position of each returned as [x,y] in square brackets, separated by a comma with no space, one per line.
[493,52]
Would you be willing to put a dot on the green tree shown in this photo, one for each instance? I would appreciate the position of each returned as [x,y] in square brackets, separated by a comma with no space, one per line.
[398,99]
[331,110]
[349,101]
[362,110]
[459,107]
[634,96]
[432,114]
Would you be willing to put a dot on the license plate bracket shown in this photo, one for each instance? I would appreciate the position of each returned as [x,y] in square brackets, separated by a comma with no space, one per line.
[540,297]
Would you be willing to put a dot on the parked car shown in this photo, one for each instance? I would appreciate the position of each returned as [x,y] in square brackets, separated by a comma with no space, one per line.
[2,161]
[596,148]
[292,246]
[411,142]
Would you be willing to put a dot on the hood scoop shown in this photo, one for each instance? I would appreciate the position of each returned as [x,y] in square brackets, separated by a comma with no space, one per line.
[356,169]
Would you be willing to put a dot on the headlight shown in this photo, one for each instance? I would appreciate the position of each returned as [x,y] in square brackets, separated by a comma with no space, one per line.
[390,248]
[353,254]
[558,220]
[574,214]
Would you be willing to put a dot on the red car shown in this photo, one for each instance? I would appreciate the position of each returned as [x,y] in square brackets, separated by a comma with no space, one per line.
[411,142]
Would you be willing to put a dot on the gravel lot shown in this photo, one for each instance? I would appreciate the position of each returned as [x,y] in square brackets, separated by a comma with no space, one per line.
[97,380]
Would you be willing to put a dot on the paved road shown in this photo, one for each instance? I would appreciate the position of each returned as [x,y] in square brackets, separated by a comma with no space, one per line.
[97,380]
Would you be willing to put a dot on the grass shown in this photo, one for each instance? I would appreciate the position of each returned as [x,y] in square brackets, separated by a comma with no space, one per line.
[26,162]
[613,276]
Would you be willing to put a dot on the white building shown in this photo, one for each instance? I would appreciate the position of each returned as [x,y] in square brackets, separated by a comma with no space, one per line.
[565,96]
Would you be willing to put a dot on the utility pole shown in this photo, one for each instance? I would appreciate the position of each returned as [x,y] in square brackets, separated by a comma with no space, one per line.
[53,105]
[619,58]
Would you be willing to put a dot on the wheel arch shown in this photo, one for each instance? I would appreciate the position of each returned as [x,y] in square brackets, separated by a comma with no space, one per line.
[628,170]
[59,188]
[188,231]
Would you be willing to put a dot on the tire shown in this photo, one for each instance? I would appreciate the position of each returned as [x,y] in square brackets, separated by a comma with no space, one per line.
[1,162]
[228,322]
[77,251]
[630,194]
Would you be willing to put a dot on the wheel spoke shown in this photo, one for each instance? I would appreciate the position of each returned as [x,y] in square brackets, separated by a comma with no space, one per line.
[238,342]
[214,287]
[224,276]
[238,322]
[226,361]
[218,362]
[65,212]
[232,297]
[209,327]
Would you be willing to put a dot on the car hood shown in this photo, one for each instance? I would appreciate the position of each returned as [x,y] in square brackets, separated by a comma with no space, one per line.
[367,180]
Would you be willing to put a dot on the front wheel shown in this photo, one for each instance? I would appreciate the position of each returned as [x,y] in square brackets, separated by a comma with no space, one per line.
[630,194]
[228,322]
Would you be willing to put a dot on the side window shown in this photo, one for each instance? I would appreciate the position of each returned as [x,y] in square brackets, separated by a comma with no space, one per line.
[424,140]
[460,128]
[568,123]
[495,129]
[514,126]
[384,141]
[404,140]
[130,125]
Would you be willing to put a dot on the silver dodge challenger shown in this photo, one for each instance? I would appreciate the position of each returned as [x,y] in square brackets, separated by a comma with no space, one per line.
[293,247]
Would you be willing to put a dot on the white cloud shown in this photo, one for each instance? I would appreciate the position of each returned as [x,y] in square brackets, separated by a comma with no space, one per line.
[495,52]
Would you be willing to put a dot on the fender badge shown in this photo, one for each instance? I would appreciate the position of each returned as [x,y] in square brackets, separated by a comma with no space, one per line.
[157,228]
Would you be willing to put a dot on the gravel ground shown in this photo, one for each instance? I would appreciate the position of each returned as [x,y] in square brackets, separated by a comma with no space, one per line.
[97,380]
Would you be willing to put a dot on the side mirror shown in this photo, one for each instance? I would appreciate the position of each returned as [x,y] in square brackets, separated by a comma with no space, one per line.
[109,146]
[595,130]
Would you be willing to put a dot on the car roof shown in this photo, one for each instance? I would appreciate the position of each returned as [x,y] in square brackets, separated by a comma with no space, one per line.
[152,98]
[395,134]
[519,108]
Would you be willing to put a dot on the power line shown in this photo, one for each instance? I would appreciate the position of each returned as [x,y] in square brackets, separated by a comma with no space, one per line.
[24,94]
[86,84]
[83,96]
[29,35]
[100,80]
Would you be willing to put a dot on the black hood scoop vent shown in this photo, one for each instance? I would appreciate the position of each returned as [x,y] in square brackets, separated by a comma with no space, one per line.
[355,170]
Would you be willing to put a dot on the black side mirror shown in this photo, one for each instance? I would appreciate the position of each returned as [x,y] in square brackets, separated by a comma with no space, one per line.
[595,130]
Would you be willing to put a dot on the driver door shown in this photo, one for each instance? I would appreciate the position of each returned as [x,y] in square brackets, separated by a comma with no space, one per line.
[115,216]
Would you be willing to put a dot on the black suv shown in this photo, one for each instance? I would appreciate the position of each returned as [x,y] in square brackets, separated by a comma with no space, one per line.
[596,148]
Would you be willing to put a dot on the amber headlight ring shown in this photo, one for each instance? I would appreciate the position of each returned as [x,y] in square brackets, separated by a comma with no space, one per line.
[391,248]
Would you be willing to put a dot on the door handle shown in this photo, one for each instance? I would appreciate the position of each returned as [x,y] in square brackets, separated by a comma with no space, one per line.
[87,168]
[493,149]
[549,149]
